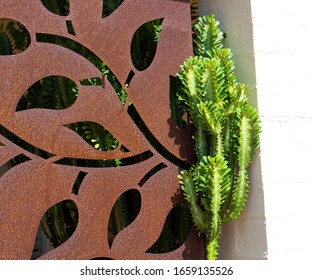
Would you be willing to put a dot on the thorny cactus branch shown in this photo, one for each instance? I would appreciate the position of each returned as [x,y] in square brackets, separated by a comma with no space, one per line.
[227,133]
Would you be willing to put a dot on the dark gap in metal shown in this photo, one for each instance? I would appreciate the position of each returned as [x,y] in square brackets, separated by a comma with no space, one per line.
[125,210]
[144,44]
[129,78]
[60,221]
[94,163]
[133,113]
[71,45]
[102,259]
[81,175]
[175,232]
[80,49]
[58,7]
[137,158]
[14,37]
[109,6]
[124,149]
[51,92]
[96,135]
[95,81]
[12,163]
[151,173]
[23,144]
[41,246]
[70,27]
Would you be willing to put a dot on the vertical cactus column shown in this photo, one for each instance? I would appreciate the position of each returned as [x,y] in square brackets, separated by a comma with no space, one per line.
[227,133]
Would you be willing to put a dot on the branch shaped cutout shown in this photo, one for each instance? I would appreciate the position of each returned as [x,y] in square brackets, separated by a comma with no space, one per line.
[24,144]
[19,159]
[104,71]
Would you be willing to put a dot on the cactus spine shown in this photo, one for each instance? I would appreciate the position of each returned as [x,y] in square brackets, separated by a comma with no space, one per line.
[227,133]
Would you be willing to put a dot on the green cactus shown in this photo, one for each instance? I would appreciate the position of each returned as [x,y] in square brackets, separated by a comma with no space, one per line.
[227,133]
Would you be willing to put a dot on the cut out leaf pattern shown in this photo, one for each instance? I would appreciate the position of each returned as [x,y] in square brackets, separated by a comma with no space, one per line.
[52,133]
[52,92]
[172,237]
[59,7]
[14,37]
[95,134]
[124,212]
[144,44]
[60,222]
[109,6]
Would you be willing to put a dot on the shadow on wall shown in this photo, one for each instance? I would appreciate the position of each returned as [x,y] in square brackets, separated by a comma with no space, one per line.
[246,237]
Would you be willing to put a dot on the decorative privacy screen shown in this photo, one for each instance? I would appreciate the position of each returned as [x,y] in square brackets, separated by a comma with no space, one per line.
[53,163]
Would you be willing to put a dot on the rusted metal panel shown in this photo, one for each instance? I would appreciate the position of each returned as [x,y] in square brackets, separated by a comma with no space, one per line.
[30,188]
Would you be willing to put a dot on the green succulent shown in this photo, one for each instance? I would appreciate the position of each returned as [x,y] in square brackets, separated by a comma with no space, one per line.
[227,133]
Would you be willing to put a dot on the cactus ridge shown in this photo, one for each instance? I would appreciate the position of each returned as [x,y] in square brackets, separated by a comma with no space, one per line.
[227,134]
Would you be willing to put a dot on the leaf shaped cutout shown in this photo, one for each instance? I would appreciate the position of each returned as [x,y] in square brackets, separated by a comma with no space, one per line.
[109,6]
[52,92]
[95,135]
[144,44]
[59,7]
[14,37]
[123,213]
[59,223]
[176,229]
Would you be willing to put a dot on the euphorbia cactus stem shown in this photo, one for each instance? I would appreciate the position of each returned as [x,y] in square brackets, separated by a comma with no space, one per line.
[227,132]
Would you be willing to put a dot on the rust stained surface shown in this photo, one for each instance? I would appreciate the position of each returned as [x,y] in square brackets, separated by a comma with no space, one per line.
[29,189]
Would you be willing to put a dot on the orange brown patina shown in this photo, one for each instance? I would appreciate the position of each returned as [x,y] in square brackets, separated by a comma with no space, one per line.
[32,187]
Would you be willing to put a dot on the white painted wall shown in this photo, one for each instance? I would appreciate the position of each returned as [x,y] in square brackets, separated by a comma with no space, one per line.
[272,44]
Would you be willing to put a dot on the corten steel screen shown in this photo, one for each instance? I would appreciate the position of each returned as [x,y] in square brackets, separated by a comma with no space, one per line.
[38,183]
